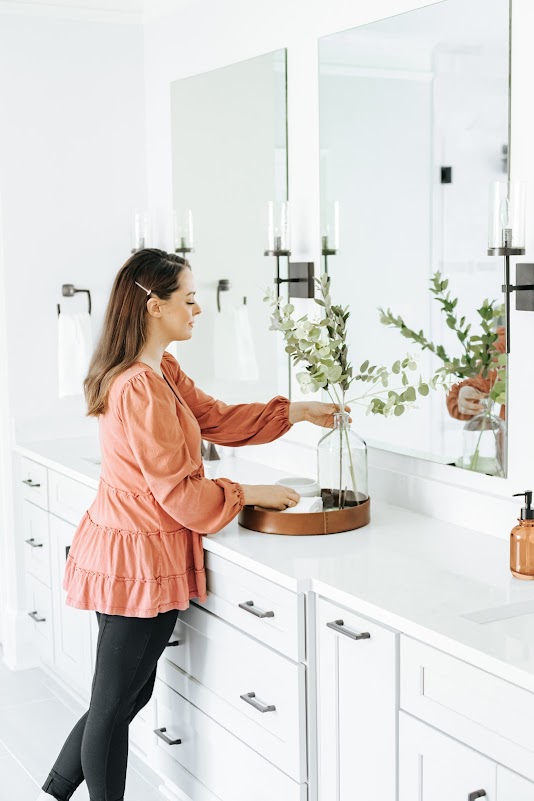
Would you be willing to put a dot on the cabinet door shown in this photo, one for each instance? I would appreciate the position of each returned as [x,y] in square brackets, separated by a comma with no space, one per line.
[511,787]
[434,767]
[72,627]
[36,539]
[357,707]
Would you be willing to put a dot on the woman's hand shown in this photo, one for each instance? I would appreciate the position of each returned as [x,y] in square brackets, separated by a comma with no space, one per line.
[270,496]
[320,414]
[469,400]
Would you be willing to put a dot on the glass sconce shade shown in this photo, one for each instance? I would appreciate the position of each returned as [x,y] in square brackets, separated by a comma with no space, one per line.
[507,215]
[278,228]
[140,230]
[183,231]
[342,466]
[330,233]
[484,441]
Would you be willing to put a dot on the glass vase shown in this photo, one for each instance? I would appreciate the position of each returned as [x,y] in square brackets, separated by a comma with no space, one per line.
[484,441]
[342,466]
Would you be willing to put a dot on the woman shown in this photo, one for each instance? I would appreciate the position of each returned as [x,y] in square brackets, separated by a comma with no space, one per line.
[137,558]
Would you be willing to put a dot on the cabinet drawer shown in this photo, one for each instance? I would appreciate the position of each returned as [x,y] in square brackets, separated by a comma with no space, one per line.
[511,787]
[36,541]
[434,767]
[69,499]
[257,606]
[213,756]
[34,482]
[215,664]
[39,608]
[488,713]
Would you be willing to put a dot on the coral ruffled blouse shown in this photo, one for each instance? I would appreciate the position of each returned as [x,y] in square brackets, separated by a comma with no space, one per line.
[138,549]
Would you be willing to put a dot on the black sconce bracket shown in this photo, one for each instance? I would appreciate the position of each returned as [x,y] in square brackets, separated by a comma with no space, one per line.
[300,278]
[524,301]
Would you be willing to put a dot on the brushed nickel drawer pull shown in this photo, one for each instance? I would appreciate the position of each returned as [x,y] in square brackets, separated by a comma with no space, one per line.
[477,794]
[34,544]
[248,606]
[34,616]
[166,739]
[250,698]
[173,642]
[339,626]
[29,482]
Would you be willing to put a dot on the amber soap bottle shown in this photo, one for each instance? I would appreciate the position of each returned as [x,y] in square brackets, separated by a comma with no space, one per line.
[522,541]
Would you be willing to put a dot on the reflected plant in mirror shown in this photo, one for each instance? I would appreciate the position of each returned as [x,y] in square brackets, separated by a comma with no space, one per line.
[320,343]
[413,127]
[481,368]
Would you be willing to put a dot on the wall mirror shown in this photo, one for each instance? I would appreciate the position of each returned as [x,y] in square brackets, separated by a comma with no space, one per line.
[229,158]
[414,120]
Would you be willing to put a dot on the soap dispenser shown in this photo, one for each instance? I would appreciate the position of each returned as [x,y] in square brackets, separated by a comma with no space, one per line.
[522,541]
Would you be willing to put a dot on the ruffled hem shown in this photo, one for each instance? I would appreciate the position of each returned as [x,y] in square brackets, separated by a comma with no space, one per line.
[131,597]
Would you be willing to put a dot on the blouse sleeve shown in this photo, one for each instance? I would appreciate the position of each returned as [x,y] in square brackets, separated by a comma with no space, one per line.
[233,425]
[479,383]
[154,433]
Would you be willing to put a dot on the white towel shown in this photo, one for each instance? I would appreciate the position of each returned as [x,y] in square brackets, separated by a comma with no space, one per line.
[235,356]
[306,505]
[74,351]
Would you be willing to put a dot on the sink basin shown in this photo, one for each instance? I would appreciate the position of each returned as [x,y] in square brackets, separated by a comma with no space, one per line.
[494,613]
[92,459]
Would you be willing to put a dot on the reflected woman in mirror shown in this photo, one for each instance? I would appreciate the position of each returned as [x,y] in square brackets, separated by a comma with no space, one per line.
[463,399]
[137,555]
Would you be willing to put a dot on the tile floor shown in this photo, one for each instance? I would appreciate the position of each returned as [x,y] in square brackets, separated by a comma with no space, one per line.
[36,716]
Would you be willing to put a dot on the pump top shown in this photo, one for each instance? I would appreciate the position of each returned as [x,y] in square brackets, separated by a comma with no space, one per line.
[527,512]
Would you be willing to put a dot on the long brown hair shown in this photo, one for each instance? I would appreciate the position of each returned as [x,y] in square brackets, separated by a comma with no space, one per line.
[125,328]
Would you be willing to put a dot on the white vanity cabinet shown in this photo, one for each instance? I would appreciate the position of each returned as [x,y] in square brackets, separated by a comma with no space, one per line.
[356,707]
[72,629]
[473,733]
[231,692]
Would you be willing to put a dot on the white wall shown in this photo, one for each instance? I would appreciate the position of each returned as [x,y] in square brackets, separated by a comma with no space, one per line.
[72,164]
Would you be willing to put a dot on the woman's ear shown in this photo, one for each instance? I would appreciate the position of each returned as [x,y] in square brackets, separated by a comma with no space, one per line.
[154,306]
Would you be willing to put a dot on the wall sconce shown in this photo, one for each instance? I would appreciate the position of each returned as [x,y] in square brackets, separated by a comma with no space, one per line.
[300,280]
[183,232]
[507,215]
[330,235]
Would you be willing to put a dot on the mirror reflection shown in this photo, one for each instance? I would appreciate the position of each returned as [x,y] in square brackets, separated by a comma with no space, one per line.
[229,157]
[413,131]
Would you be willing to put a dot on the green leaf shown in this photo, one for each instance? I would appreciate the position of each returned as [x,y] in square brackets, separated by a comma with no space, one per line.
[364,366]
[399,409]
[423,389]
[396,368]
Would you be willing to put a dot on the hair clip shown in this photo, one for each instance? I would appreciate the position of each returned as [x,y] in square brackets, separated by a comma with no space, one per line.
[148,291]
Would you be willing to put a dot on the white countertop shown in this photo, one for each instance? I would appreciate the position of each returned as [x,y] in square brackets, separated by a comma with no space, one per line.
[406,570]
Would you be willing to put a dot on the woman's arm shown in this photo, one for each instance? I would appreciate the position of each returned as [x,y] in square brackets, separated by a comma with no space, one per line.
[233,425]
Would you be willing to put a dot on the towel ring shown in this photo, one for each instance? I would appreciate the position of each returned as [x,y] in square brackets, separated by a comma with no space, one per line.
[69,290]
[223,286]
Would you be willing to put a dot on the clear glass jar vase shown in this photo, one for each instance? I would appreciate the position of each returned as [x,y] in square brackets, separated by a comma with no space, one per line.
[484,441]
[342,466]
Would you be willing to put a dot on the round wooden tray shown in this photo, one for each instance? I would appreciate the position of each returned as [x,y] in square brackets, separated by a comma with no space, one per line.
[334,521]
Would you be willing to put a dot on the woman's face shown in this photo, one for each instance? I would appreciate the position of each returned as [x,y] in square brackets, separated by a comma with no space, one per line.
[176,315]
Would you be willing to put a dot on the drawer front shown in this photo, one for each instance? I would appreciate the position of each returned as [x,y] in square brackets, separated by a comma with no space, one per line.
[221,762]
[269,612]
[488,713]
[69,499]
[511,787]
[39,608]
[36,541]
[215,664]
[34,482]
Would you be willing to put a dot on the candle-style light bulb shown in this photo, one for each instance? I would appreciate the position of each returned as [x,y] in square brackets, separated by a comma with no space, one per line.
[506,231]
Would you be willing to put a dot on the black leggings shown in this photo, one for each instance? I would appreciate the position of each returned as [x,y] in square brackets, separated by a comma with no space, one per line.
[96,750]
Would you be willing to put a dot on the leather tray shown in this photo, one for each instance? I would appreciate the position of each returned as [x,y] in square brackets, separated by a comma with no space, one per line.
[334,521]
